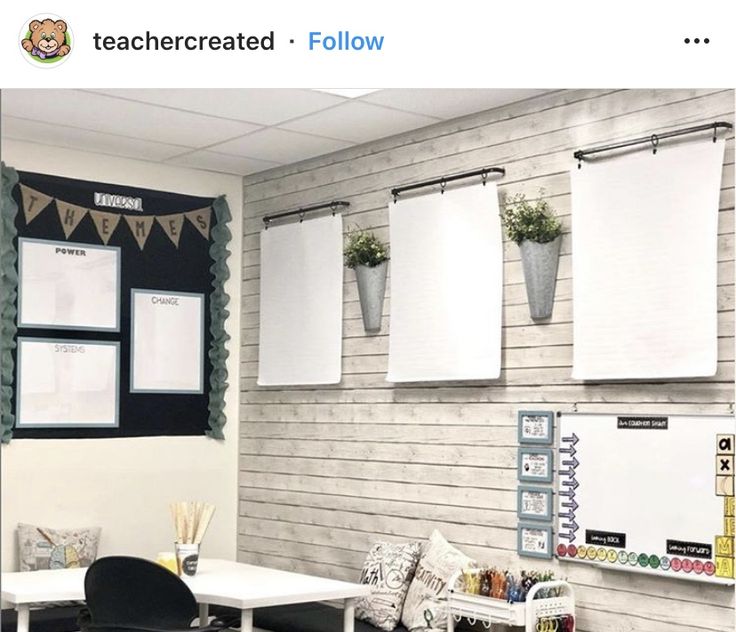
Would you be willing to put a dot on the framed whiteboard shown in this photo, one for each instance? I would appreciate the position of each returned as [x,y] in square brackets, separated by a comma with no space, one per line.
[64,285]
[534,503]
[166,342]
[67,383]
[533,540]
[536,426]
[648,493]
[535,465]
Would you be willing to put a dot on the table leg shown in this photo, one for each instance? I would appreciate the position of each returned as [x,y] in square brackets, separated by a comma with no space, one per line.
[204,614]
[246,621]
[23,617]
[349,622]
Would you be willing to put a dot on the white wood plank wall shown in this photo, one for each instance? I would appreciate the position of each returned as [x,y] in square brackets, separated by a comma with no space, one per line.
[325,471]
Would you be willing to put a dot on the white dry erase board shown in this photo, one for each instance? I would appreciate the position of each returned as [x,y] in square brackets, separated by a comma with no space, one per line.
[166,342]
[648,493]
[67,383]
[62,285]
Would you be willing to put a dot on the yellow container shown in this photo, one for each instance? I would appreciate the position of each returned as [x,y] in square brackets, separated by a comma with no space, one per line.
[168,560]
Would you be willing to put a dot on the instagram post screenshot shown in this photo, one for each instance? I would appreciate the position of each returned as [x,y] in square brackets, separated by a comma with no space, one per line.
[448,347]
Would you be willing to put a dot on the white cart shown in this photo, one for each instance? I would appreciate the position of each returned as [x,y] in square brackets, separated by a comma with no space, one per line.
[489,611]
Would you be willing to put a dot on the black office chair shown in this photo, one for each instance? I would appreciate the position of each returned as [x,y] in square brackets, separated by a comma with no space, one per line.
[130,594]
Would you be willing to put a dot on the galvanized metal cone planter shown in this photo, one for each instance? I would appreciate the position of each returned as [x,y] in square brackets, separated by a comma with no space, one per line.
[540,274]
[371,290]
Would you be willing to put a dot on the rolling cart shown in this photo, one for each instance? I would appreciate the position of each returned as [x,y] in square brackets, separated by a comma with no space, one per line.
[523,614]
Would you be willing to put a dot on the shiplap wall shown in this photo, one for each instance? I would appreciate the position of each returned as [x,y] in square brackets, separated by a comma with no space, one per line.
[325,471]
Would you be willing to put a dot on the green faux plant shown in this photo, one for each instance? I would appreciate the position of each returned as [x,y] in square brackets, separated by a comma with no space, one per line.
[364,248]
[533,220]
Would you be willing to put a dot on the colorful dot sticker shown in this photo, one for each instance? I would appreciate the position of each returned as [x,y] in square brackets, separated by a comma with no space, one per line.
[612,557]
[591,553]
[633,559]
[709,568]
[561,550]
[698,567]
[643,560]
[572,550]
[602,554]
[664,563]
[687,565]
[582,551]
[622,557]
[676,564]
[653,561]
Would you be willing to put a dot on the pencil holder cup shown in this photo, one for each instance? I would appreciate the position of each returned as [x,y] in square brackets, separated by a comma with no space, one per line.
[187,557]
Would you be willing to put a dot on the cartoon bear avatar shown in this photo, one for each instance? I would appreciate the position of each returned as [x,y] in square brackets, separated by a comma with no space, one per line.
[47,39]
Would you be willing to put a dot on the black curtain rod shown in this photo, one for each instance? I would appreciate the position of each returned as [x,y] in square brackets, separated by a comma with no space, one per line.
[333,206]
[653,139]
[483,173]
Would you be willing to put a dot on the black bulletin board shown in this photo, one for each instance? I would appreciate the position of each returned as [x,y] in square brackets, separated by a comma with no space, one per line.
[158,265]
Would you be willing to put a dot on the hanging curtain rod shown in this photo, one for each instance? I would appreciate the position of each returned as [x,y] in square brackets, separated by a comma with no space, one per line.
[334,206]
[483,173]
[653,139]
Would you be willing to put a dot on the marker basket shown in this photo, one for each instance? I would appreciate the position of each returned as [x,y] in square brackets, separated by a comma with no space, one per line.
[522,614]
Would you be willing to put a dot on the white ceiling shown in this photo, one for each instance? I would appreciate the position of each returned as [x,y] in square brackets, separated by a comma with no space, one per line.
[238,131]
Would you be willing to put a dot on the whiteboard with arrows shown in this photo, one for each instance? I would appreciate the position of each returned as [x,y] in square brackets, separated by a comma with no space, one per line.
[648,493]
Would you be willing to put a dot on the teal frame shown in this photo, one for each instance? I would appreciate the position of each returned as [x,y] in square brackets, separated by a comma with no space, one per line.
[66,244]
[198,295]
[65,341]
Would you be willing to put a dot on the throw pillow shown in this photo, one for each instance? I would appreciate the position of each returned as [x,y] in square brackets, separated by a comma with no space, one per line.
[425,607]
[47,548]
[388,569]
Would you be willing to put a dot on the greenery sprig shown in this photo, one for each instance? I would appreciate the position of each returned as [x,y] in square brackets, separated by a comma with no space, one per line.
[364,248]
[535,221]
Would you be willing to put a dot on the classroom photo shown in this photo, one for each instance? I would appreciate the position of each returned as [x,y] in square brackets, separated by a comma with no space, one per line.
[364,360]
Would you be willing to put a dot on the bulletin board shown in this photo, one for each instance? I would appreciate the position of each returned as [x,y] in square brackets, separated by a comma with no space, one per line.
[74,256]
[648,493]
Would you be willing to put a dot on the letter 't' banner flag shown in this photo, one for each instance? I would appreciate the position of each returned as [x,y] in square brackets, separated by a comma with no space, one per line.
[106,223]
[33,202]
[172,225]
[140,226]
[70,215]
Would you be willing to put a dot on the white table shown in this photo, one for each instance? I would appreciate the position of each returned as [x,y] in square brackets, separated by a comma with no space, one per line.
[217,582]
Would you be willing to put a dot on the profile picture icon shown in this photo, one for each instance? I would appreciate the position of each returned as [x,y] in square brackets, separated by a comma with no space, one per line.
[46,40]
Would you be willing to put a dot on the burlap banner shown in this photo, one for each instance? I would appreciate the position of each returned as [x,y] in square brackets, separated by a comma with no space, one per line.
[70,216]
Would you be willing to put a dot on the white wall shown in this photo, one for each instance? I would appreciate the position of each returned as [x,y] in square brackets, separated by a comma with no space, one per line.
[125,485]
[327,471]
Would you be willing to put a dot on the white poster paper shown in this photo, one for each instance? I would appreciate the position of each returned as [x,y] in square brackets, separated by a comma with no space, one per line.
[67,383]
[645,263]
[63,285]
[301,303]
[167,342]
[446,286]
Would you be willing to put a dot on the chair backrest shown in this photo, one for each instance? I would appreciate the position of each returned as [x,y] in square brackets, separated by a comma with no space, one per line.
[130,591]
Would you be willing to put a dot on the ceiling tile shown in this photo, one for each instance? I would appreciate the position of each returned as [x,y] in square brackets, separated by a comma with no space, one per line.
[222,163]
[359,122]
[261,106]
[73,138]
[280,146]
[449,102]
[115,116]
